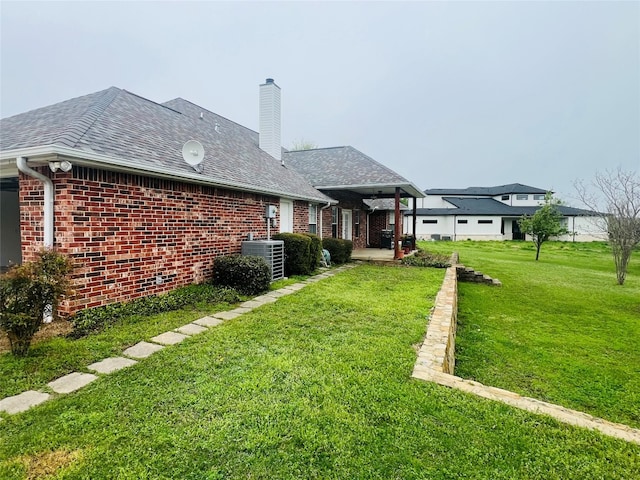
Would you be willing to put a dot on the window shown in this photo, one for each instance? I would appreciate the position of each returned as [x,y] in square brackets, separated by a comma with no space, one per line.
[485,221]
[462,221]
[538,197]
[334,222]
[356,222]
[520,196]
[429,221]
[313,218]
[505,197]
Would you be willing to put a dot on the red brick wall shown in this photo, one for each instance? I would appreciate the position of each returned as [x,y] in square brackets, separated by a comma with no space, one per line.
[378,222]
[133,236]
[300,217]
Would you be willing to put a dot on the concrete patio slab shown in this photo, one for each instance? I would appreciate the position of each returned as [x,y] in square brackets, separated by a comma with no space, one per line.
[191,329]
[208,322]
[112,364]
[24,401]
[169,338]
[72,382]
[142,350]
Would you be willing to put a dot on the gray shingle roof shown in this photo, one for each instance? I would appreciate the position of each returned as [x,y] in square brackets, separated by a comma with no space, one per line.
[344,167]
[489,206]
[486,191]
[122,125]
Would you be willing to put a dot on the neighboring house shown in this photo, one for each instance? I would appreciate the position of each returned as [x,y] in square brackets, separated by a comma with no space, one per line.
[492,213]
[103,178]
[353,178]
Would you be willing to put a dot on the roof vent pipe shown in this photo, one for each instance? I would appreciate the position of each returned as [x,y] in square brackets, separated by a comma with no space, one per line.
[21,162]
[269,125]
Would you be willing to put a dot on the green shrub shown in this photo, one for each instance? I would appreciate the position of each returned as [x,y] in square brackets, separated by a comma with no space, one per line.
[297,253]
[93,320]
[339,249]
[250,275]
[27,292]
[315,251]
[422,258]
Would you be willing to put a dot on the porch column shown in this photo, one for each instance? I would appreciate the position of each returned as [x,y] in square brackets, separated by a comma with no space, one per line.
[398,227]
[415,201]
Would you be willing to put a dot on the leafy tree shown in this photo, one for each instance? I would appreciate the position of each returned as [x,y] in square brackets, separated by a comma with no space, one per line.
[615,197]
[545,223]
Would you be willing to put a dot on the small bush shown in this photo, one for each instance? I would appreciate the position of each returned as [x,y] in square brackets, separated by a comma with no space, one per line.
[315,251]
[93,320]
[27,291]
[297,253]
[422,258]
[250,275]
[339,249]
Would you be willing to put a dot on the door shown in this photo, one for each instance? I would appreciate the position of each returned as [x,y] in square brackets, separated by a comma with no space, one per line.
[286,215]
[515,229]
[347,226]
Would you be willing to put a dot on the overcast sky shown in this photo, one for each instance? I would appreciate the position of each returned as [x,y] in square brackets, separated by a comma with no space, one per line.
[448,94]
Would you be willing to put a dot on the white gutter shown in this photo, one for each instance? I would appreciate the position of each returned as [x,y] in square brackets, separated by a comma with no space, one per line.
[83,158]
[21,162]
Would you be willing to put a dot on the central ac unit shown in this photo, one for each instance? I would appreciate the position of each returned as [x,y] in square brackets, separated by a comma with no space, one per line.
[271,250]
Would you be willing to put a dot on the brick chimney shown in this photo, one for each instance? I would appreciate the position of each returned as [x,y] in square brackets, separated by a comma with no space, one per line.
[269,130]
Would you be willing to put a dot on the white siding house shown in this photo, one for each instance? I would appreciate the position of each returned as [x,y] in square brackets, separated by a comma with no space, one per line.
[491,213]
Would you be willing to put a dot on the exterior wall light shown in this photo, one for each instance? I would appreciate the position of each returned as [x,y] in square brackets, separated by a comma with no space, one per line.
[64,166]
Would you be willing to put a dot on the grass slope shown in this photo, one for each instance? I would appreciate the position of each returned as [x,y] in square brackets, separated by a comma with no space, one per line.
[559,329]
[316,385]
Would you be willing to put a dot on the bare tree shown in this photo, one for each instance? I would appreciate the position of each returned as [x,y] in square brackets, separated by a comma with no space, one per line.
[615,196]
[303,144]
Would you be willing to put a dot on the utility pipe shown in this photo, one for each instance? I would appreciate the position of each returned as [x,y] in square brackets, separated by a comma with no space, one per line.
[21,162]
[320,219]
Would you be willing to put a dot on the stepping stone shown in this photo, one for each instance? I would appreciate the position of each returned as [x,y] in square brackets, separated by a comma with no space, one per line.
[24,401]
[296,286]
[72,382]
[112,364]
[275,294]
[230,315]
[142,350]
[191,329]
[208,322]
[169,338]
[265,299]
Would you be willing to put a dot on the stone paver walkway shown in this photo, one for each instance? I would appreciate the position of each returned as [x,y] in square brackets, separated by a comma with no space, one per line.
[141,350]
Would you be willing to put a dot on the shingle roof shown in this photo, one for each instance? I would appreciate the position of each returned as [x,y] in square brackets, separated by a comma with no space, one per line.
[489,206]
[344,167]
[122,125]
[486,191]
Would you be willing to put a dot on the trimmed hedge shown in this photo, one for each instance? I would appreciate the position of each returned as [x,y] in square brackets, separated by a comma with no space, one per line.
[248,274]
[315,251]
[297,253]
[93,320]
[339,249]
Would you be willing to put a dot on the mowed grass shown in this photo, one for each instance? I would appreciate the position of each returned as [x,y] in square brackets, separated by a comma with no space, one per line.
[560,329]
[316,385]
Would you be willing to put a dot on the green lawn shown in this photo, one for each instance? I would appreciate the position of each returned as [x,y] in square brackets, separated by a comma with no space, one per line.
[316,385]
[560,329]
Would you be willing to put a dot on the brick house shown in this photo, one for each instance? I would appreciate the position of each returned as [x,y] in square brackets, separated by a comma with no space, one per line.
[103,178]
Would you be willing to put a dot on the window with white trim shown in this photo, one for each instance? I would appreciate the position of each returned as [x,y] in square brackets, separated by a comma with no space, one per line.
[522,196]
[313,218]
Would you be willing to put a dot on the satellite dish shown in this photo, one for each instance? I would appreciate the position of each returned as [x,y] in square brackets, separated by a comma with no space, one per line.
[193,154]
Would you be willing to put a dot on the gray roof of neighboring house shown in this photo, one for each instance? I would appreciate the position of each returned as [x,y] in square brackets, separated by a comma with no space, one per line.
[345,168]
[489,206]
[487,191]
[148,135]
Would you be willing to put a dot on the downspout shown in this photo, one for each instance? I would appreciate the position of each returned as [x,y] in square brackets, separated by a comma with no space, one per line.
[320,220]
[21,162]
